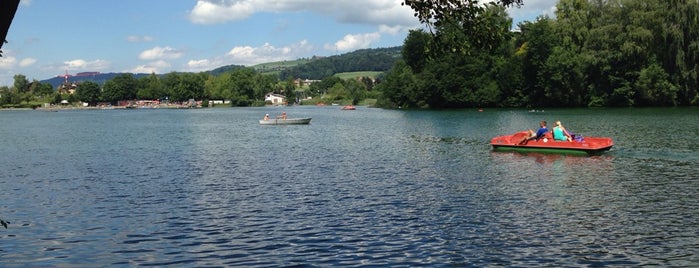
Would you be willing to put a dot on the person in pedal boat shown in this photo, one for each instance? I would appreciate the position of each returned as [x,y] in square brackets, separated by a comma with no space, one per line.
[560,133]
[536,135]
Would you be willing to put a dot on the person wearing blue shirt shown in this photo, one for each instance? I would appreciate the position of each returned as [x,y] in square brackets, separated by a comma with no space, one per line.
[536,135]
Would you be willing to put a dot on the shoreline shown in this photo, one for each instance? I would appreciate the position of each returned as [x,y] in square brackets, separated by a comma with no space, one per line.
[71,107]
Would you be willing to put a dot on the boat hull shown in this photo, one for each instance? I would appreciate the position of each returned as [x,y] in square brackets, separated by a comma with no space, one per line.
[288,121]
[589,145]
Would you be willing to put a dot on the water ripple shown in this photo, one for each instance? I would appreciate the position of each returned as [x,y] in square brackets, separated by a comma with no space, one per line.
[373,188]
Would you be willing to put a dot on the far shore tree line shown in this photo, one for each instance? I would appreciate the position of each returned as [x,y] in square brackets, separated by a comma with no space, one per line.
[241,87]
[593,54]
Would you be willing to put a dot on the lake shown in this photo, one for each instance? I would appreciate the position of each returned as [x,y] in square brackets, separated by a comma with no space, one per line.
[371,187]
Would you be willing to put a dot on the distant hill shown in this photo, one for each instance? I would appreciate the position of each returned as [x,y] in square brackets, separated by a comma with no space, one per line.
[316,68]
[374,60]
[224,69]
[277,67]
[97,77]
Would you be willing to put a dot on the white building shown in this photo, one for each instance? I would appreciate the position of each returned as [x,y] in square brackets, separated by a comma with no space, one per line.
[275,99]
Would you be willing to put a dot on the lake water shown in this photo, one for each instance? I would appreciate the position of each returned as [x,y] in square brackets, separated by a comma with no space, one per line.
[371,187]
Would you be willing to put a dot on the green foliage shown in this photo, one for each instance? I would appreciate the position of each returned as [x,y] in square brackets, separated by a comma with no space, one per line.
[415,49]
[21,83]
[399,88]
[338,92]
[243,86]
[380,59]
[448,78]
[57,98]
[225,69]
[42,90]
[594,53]
[88,91]
[654,88]
[151,87]
[122,87]
[275,68]
[184,86]
[459,25]
[358,75]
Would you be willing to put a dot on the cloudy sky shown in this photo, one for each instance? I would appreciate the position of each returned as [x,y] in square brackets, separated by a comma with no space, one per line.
[49,38]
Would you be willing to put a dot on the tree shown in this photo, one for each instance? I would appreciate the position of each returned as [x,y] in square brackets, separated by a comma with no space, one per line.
[184,86]
[43,89]
[338,91]
[399,88]
[21,83]
[562,79]
[324,85]
[242,86]
[538,40]
[464,15]
[150,88]
[5,95]
[57,98]
[88,91]
[415,49]
[356,90]
[288,87]
[121,87]
[654,88]
[218,87]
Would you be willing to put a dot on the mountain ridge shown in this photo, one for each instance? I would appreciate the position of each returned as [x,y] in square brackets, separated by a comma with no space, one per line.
[316,67]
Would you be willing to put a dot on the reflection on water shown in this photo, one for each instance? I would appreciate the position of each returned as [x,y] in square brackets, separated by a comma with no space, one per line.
[367,188]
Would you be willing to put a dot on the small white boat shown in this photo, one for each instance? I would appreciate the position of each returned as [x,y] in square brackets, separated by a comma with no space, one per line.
[288,121]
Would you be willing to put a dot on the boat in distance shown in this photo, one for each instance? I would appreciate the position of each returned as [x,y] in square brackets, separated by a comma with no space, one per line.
[287,121]
[546,144]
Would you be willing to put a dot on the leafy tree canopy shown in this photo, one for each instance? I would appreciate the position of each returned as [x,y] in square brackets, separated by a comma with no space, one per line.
[464,15]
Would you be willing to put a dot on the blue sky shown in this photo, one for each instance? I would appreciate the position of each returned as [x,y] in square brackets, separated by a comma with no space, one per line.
[49,37]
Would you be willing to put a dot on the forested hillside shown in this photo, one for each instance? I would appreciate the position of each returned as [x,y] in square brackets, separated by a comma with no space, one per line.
[379,59]
[225,69]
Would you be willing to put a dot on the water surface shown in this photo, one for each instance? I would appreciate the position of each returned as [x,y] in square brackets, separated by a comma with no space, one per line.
[369,187]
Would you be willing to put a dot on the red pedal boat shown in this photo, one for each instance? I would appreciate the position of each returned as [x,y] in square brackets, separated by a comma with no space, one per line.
[546,144]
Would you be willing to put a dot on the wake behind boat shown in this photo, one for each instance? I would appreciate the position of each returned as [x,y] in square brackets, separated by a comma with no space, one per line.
[546,144]
[287,121]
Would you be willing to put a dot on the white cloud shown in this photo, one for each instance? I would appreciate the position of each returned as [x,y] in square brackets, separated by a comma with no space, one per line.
[390,30]
[201,65]
[387,12]
[153,67]
[160,53]
[141,69]
[7,62]
[138,38]
[208,12]
[249,55]
[354,41]
[80,64]
[532,9]
[27,62]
